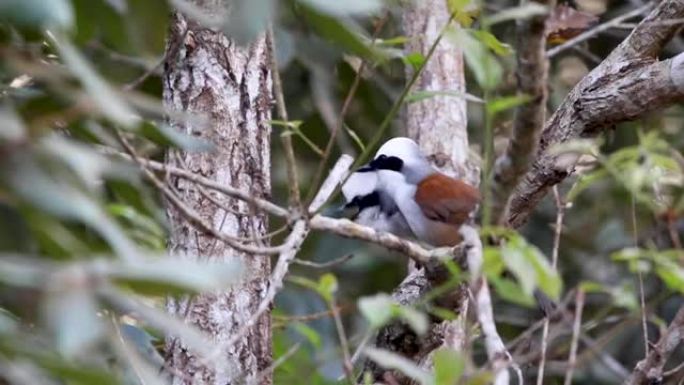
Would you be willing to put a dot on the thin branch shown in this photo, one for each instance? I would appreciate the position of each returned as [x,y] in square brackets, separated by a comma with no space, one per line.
[650,369]
[345,106]
[576,328]
[290,248]
[598,29]
[191,215]
[560,211]
[529,118]
[347,365]
[290,160]
[324,265]
[262,204]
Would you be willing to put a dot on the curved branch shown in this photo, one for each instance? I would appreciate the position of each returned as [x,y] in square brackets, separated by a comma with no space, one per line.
[628,84]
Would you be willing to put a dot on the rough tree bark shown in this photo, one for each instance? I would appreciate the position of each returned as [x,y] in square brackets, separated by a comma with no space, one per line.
[626,85]
[228,86]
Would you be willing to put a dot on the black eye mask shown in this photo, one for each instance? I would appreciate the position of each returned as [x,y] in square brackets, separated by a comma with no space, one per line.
[365,201]
[384,162]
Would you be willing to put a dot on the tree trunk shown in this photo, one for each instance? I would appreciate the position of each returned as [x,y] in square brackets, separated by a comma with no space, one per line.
[228,88]
[439,125]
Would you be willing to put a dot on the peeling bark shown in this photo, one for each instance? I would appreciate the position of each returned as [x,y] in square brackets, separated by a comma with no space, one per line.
[228,86]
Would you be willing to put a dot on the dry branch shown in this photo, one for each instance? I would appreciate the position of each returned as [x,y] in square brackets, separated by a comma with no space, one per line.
[529,118]
[650,369]
[628,84]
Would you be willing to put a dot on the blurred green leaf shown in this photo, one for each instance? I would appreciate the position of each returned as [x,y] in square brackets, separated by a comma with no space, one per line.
[106,98]
[38,13]
[497,105]
[415,60]
[345,8]
[71,312]
[449,366]
[417,96]
[247,19]
[166,136]
[309,333]
[480,61]
[327,286]
[521,12]
[341,31]
[166,275]
[381,308]
[488,39]
[390,360]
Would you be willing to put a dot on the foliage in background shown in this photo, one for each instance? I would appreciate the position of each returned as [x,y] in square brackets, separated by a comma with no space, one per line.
[83,273]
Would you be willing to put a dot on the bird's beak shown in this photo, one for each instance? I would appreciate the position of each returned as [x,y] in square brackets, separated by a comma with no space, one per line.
[349,211]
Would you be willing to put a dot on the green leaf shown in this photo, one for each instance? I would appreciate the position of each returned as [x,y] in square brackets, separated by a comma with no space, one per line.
[309,333]
[417,96]
[38,13]
[516,13]
[415,60]
[511,291]
[106,99]
[345,8]
[480,61]
[71,314]
[341,31]
[165,135]
[378,309]
[168,274]
[449,366]
[390,360]
[506,103]
[247,19]
[488,39]
[327,286]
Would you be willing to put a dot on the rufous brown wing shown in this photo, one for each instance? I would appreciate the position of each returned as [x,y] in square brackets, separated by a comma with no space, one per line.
[445,199]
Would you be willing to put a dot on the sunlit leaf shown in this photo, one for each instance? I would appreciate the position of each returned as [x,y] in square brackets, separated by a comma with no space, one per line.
[382,308]
[327,286]
[480,60]
[415,60]
[449,366]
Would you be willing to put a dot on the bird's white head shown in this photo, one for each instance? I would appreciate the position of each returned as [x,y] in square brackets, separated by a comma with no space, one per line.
[403,155]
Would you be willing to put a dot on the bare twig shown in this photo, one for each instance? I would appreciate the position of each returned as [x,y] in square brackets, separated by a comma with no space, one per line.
[347,365]
[279,361]
[262,204]
[191,215]
[324,265]
[560,210]
[576,326]
[640,277]
[650,369]
[598,29]
[290,160]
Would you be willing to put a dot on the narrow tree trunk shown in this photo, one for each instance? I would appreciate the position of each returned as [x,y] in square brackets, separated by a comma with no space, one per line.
[227,87]
[439,125]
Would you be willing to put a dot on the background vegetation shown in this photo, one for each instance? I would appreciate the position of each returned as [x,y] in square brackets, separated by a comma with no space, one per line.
[82,236]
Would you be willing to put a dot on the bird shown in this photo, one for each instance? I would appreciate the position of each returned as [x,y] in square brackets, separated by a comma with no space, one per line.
[370,206]
[433,204]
